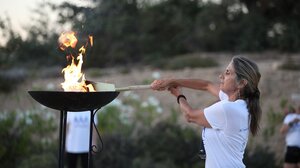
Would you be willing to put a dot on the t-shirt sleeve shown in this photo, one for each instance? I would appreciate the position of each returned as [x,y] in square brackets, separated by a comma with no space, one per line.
[215,115]
[287,119]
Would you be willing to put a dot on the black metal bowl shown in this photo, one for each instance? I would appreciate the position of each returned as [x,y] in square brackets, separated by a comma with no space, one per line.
[73,101]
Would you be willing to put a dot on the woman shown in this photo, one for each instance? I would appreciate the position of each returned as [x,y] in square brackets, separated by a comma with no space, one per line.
[291,130]
[228,121]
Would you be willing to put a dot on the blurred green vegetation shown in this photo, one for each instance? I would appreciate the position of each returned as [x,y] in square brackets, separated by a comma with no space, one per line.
[290,64]
[260,157]
[27,139]
[127,32]
[275,118]
[181,62]
[130,138]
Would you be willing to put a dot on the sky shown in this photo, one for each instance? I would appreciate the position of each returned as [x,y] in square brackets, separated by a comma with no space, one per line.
[20,11]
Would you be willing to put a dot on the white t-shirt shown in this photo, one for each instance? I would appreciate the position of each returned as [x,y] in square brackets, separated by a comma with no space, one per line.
[226,141]
[78,134]
[293,135]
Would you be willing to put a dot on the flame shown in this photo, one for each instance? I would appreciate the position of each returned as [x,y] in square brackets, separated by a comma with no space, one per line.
[74,78]
[67,39]
[91,40]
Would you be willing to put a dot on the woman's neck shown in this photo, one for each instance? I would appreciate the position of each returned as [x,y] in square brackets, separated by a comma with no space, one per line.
[233,97]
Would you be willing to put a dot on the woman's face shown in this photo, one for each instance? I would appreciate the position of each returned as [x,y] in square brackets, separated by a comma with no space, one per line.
[228,83]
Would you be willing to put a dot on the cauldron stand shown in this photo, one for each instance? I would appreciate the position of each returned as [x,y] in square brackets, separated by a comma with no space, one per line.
[74,102]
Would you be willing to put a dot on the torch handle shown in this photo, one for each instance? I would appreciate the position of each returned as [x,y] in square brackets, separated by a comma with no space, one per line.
[134,87]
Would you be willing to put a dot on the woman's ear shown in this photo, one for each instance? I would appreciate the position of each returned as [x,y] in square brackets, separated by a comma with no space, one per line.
[243,83]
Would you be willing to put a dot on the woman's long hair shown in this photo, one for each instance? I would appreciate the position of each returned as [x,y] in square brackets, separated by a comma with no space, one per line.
[248,70]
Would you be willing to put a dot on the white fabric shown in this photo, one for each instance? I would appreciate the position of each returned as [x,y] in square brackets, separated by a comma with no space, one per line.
[292,137]
[223,96]
[78,133]
[226,141]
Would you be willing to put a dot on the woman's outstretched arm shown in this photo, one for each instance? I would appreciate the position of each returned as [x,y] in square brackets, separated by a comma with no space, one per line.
[197,84]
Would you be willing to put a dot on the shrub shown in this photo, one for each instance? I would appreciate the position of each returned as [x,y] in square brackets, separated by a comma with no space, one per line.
[10,79]
[28,137]
[260,157]
[118,151]
[290,65]
[169,142]
[165,145]
[131,138]
[274,119]
[190,62]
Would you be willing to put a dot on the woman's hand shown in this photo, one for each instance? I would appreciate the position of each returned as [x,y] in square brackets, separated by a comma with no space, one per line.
[160,84]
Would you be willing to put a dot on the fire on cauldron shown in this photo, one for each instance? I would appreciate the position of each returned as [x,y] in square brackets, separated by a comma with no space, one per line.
[78,94]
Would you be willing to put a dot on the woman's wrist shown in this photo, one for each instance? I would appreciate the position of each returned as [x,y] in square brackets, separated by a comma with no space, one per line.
[172,82]
[179,97]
